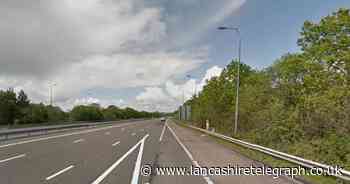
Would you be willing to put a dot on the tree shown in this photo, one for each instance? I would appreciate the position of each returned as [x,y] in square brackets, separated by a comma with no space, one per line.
[35,113]
[86,113]
[22,100]
[55,114]
[301,104]
[112,113]
[22,104]
[327,43]
[131,113]
[8,108]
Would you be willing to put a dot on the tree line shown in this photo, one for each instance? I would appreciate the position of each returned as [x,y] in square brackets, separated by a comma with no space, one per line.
[300,104]
[16,108]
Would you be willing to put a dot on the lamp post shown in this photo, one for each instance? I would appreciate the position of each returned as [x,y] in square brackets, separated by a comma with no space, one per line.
[195,86]
[236,29]
[51,85]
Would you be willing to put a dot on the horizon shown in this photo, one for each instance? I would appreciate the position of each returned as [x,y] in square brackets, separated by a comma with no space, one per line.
[80,47]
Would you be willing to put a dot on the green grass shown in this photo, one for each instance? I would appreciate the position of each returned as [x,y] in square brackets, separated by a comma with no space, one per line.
[272,161]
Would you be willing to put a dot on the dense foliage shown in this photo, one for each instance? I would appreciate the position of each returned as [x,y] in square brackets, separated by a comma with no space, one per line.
[301,104]
[17,109]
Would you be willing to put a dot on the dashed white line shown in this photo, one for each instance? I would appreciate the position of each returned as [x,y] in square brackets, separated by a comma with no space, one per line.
[133,134]
[206,178]
[107,133]
[64,135]
[12,158]
[79,140]
[161,135]
[60,172]
[116,143]
[113,166]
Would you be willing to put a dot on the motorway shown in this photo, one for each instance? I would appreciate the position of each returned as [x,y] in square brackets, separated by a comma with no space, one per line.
[102,155]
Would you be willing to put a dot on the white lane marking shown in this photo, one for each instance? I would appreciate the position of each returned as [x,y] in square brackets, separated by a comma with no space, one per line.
[116,143]
[79,140]
[107,133]
[161,135]
[63,135]
[123,129]
[112,167]
[60,172]
[206,178]
[136,174]
[133,134]
[11,158]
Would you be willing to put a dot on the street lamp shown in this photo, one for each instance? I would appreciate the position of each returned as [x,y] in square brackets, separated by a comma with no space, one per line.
[195,86]
[236,29]
[51,85]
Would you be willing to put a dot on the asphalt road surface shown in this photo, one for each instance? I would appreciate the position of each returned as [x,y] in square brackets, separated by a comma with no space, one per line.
[103,155]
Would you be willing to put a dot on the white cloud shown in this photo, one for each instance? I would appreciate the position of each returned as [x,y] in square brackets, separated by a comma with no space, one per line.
[152,95]
[69,104]
[172,95]
[86,101]
[91,44]
[210,73]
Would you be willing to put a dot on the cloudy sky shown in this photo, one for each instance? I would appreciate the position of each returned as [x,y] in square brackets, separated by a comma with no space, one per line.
[138,53]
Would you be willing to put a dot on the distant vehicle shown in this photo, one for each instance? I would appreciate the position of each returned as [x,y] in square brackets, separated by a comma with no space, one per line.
[162,119]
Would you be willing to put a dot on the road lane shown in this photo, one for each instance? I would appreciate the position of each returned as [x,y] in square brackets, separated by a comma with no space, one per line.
[59,160]
[48,156]
[171,154]
[72,132]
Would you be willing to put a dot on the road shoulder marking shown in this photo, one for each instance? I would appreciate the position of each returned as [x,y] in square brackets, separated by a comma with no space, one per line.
[206,178]
[60,172]
[115,164]
[136,173]
[12,158]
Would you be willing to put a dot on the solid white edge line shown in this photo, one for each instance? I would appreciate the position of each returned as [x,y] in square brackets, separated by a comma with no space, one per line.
[116,143]
[59,172]
[64,135]
[136,174]
[161,135]
[12,158]
[206,178]
[113,166]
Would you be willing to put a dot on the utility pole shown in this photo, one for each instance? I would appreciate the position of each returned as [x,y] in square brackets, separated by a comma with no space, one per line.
[51,85]
[195,86]
[236,29]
